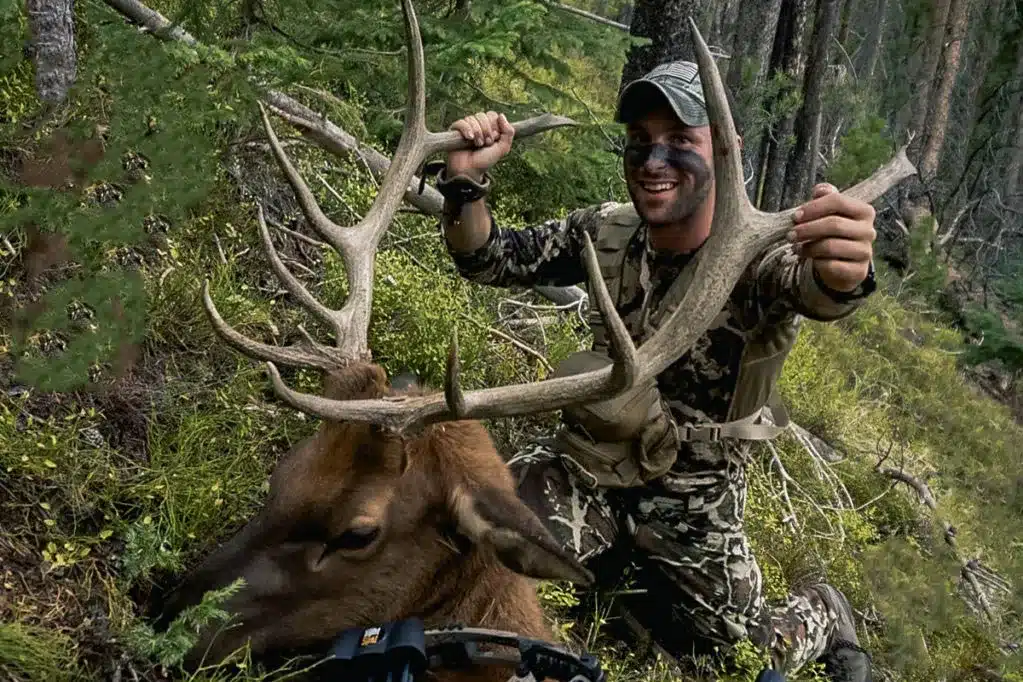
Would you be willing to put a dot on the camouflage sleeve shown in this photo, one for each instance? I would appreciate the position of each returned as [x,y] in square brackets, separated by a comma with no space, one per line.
[547,254]
[779,278]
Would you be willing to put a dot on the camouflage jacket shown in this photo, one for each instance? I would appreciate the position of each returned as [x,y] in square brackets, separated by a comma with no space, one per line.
[777,288]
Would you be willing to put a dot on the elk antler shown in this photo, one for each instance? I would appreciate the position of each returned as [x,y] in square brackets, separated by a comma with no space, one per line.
[357,246]
[739,233]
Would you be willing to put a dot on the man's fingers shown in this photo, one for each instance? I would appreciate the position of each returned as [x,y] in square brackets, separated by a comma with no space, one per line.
[505,128]
[822,188]
[832,226]
[836,249]
[834,203]
[486,129]
[476,129]
[463,127]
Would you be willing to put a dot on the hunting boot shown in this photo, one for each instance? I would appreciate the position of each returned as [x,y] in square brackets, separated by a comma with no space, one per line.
[844,660]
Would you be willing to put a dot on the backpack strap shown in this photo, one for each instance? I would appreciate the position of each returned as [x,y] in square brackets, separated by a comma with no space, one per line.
[618,227]
[766,348]
[748,428]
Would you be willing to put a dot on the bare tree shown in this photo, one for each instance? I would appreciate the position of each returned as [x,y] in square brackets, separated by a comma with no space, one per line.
[799,174]
[871,47]
[1014,171]
[928,68]
[937,118]
[755,28]
[52,24]
[788,57]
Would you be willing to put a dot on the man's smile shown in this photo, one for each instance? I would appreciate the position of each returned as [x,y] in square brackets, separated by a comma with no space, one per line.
[658,187]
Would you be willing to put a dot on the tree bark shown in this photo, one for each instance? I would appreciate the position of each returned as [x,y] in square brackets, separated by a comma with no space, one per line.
[1014,173]
[937,119]
[665,23]
[52,25]
[722,31]
[843,28]
[755,28]
[871,49]
[799,175]
[928,70]
[789,58]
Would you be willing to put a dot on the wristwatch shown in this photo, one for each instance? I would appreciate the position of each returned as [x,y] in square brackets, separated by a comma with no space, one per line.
[865,288]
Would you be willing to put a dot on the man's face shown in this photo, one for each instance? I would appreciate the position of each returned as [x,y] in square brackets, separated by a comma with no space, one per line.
[668,166]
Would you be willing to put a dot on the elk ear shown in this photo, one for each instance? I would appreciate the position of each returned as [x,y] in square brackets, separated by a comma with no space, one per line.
[497,518]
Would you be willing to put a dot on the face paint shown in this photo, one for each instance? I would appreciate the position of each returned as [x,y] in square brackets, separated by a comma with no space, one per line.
[682,161]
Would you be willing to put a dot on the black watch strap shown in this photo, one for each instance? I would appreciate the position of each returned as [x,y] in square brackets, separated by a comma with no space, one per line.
[461,189]
[866,287]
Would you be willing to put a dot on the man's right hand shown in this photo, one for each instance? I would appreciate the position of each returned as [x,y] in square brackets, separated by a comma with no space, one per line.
[492,135]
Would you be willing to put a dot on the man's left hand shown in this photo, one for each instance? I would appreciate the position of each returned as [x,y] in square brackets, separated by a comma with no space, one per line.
[837,233]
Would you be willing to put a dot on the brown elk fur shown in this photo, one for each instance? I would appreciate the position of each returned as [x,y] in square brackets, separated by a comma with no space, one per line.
[455,544]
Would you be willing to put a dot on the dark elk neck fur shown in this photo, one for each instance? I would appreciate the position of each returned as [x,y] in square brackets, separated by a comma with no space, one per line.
[475,589]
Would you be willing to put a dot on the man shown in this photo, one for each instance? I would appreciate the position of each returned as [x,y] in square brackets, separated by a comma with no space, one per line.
[686,517]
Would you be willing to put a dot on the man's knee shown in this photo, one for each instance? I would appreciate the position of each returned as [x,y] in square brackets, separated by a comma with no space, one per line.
[580,519]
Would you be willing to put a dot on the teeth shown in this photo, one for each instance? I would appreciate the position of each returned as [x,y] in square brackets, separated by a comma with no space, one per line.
[658,187]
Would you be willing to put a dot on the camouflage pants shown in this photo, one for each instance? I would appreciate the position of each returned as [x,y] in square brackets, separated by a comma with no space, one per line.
[688,529]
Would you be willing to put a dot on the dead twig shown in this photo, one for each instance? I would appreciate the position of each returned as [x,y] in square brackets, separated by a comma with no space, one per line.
[512,340]
[791,519]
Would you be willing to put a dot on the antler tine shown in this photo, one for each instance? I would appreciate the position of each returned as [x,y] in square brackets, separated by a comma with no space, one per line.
[292,284]
[729,190]
[305,354]
[357,245]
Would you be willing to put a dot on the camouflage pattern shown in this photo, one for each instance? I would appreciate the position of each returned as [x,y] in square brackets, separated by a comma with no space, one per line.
[687,525]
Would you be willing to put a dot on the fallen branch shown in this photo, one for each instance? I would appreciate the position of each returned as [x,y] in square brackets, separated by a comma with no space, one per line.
[791,519]
[335,140]
[512,340]
[587,15]
[970,570]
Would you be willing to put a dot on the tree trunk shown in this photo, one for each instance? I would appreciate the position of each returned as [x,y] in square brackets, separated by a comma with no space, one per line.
[755,28]
[52,25]
[932,50]
[871,49]
[843,28]
[666,24]
[789,58]
[799,176]
[985,35]
[1014,173]
[937,119]
[722,31]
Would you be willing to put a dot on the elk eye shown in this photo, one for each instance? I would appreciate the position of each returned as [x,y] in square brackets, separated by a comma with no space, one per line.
[356,537]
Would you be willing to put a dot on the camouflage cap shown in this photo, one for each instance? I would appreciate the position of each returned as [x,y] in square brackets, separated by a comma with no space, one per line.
[678,82]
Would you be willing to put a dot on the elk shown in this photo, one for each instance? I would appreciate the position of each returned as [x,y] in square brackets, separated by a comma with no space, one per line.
[400,505]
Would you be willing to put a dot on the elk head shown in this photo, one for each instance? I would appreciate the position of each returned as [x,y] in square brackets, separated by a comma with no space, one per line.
[364,526]
[399,496]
